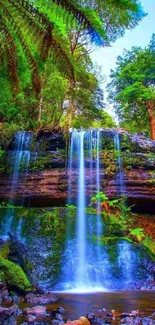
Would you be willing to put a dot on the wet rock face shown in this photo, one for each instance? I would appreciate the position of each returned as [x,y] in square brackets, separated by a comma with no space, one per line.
[43,141]
[46,180]
[49,188]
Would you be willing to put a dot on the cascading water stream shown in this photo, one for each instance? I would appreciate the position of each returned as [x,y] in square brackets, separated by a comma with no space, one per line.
[81,215]
[20,155]
[19,229]
[99,225]
[125,256]
[88,263]
[125,253]
[70,168]
[89,139]
[91,162]
[85,265]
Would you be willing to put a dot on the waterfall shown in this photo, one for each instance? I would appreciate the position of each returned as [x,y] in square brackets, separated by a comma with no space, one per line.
[85,267]
[99,225]
[89,262]
[89,135]
[70,168]
[125,260]
[81,215]
[19,229]
[90,148]
[76,165]
[20,155]
[7,224]
[125,254]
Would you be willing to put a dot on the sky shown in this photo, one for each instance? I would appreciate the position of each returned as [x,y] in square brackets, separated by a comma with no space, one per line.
[139,36]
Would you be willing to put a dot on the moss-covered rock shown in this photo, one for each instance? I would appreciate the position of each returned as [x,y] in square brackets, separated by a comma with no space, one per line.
[13,275]
[4,251]
[109,240]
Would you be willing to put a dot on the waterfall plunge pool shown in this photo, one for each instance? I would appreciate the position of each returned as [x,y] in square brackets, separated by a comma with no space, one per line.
[78,304]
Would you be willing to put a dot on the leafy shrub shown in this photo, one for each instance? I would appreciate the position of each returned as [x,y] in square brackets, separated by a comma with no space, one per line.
[100,197]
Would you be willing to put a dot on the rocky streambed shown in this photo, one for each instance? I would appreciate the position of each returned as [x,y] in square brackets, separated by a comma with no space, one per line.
[82,309]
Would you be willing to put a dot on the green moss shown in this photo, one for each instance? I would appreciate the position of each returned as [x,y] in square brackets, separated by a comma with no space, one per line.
[90,210]
[5,250]
[149,245]
[14,275]
[11,272]
[2,276]
[108,240]
[109,160]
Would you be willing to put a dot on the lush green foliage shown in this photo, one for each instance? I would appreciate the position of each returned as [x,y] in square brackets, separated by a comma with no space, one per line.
[100,197]
[138,233]
[43,47]
[132,88]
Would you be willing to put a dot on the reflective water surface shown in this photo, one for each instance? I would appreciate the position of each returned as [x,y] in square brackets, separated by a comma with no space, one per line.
[77,305]
[80,304]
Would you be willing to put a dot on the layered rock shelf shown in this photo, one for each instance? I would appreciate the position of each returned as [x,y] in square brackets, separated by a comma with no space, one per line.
[48,175]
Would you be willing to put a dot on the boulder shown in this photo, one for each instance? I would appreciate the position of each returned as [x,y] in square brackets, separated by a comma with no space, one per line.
[4,293]
[57,322]
[46,298]
[37,311]
[81,321]
[9,321]
[7,315]
[13,310]
[90,317]
[30,318]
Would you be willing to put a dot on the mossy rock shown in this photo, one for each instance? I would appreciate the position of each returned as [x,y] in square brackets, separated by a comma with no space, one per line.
[4,250]
[13,275]
[149,247]
[112,240]
[2,276]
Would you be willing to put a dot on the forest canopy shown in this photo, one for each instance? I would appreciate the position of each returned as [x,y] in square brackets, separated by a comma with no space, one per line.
[47,77]
[132,89]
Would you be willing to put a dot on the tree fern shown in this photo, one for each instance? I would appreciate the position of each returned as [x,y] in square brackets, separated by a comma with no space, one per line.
[40,28]
[27,22]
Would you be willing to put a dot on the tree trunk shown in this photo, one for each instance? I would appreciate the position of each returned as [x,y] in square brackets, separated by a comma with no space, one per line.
[40,109]
[72,106]
[151,111]
[71,112]
[153,128]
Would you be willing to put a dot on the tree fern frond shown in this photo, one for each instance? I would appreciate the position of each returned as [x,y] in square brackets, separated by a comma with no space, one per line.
[42,28]
[23,16]
[11,53]
[28,9]
[86,17]
[64,62]
[2,50]
[32,62]
[46,38]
